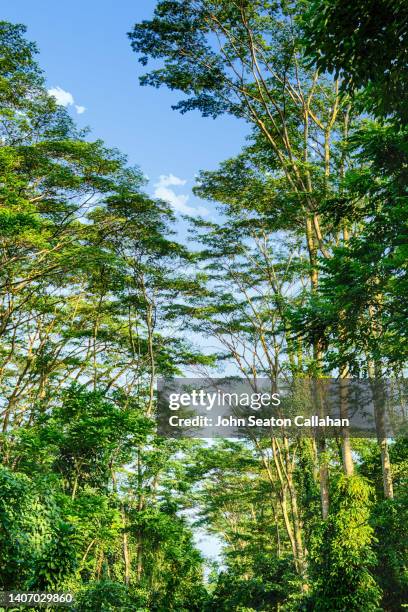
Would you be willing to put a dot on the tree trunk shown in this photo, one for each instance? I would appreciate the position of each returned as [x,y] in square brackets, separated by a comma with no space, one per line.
[126,553]
[323,478]
[323,468]
[377,386]
[348,464]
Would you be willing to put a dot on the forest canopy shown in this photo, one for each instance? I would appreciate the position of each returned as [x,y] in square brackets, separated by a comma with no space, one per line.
[300,272]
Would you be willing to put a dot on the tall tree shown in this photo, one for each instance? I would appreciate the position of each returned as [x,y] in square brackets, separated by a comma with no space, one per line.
[89,263]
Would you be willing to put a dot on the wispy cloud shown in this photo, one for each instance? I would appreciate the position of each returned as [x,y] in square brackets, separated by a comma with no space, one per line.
[65,98]
[163,191]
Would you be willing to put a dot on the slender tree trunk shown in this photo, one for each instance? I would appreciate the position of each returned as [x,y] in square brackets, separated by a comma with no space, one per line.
[139,557]
[139,538]
[292,521]
[323,467]
[348,464]
[386,469]
[377,386]
[323,478]
[317,355]
[126,552]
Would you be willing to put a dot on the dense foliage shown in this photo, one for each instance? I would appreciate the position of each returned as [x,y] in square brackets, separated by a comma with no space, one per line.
[301,272]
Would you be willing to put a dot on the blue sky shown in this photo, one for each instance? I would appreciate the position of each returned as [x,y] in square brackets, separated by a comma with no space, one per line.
[84,51]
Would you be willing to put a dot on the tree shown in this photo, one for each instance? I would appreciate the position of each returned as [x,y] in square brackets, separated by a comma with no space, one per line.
[300,275]
[88,264]
[247,59]
[365,44]
[344,556]
[347,39]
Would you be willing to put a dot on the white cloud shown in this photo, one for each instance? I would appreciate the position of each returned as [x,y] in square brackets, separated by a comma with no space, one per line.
[177,201]
[65,98]
[165,180]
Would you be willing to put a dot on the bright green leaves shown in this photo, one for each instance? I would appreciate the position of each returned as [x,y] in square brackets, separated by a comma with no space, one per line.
[341,551]
[37,547]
